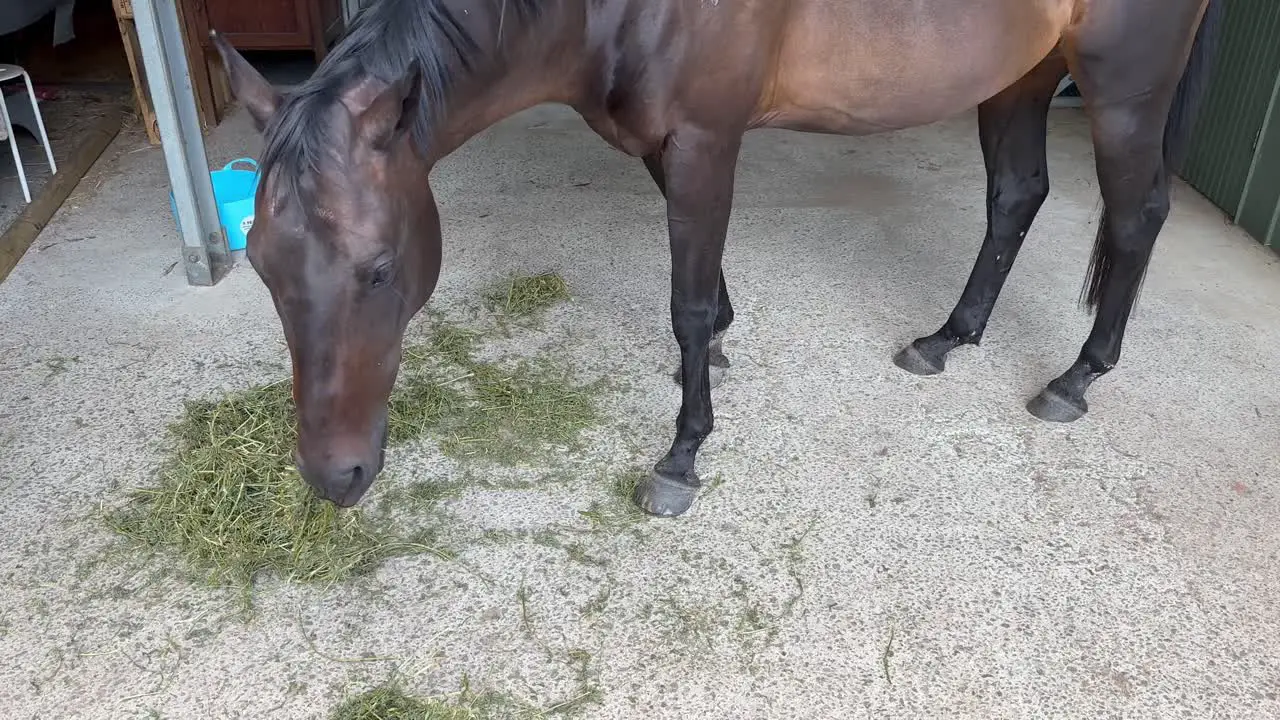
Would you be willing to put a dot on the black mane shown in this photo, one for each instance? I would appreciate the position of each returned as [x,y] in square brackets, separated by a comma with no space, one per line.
[381,42]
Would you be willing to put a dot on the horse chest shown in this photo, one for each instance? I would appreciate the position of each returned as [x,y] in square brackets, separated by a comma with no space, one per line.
[625,120]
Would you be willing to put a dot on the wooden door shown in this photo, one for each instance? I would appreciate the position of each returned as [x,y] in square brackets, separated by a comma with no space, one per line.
[260,24]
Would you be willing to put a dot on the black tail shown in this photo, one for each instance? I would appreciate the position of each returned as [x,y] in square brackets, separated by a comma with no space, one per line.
[1177,133]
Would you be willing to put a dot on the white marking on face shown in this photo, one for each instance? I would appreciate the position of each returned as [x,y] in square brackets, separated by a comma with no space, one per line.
[325,213]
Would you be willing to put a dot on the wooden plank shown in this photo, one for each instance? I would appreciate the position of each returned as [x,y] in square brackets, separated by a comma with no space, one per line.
[141,93]
[196,28]
[209,104]
[26,228]
[198,69]
[212,93]
[221,85]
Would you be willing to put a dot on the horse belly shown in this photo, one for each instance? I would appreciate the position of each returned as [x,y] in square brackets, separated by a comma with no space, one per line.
[873,65]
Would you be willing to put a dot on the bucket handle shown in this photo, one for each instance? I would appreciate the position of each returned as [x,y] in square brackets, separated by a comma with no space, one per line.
[248,160]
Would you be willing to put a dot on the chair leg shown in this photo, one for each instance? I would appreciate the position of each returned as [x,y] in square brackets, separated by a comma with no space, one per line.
[13,145]
[44,136]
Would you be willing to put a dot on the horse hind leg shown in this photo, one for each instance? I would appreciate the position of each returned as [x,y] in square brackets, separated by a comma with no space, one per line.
[717,360]
[1127,66]
[1011,127]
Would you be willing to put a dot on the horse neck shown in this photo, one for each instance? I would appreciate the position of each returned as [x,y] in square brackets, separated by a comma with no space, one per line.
[537,63]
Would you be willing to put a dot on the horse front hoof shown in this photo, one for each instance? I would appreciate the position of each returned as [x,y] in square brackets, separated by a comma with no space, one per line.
[1052,406]
[665,496]
[915,362]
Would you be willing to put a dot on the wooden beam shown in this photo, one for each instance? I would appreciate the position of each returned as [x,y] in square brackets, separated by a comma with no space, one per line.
[24,230]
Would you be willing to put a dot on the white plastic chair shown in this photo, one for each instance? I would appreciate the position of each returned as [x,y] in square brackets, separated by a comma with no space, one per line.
[12,72]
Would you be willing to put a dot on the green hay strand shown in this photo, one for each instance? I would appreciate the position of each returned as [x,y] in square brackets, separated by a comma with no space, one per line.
[390,703]
[509,414]
[519,415]
[618,510]
[522,296]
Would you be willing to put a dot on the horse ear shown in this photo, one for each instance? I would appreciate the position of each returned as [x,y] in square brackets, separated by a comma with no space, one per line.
[247,84]
[392,112]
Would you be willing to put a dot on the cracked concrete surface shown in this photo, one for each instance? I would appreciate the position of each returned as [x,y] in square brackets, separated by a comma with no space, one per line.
[878,545]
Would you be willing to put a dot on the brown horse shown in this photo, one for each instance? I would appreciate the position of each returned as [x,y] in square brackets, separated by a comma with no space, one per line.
[347,236]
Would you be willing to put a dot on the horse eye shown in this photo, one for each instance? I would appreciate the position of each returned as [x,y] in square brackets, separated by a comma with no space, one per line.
[381,275]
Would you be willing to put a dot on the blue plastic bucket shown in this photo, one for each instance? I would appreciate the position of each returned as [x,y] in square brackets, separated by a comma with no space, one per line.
[233,193]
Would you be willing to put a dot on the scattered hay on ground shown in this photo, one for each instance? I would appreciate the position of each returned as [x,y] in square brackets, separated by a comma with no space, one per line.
[519,415]
[523,296]
[229,500]
[421,404]
[453,344]
[391,703]
[618,510]
[507,413]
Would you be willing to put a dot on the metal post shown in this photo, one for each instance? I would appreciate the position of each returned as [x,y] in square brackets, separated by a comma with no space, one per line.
[1271,238]
[1257,149]
[204,245]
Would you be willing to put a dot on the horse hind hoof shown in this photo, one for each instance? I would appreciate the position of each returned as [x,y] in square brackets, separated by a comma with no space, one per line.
[915,362]
[664,496]
[1052,406]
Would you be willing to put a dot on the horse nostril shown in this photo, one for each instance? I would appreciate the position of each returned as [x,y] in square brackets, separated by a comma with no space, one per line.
[357,474]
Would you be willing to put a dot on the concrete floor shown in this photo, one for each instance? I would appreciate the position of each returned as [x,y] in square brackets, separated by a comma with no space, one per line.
[915,547]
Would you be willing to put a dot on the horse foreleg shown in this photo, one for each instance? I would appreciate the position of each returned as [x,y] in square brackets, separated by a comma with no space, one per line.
[718,361]
[697,175]
[1012,128]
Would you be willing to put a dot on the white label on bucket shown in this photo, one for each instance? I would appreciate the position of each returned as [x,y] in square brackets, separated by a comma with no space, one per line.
[246,224]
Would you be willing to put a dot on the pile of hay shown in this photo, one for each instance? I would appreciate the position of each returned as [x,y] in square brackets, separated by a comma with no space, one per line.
[522,296]
[230,501]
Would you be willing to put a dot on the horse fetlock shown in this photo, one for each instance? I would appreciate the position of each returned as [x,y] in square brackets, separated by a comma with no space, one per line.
[1063,400]
[1053,405]
[926,355]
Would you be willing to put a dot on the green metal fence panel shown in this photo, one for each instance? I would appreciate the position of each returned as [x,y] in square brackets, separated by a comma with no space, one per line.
[1260,207]
[1227,132]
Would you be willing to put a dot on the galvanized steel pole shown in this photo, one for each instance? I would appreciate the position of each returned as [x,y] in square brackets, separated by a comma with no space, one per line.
[204,245]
